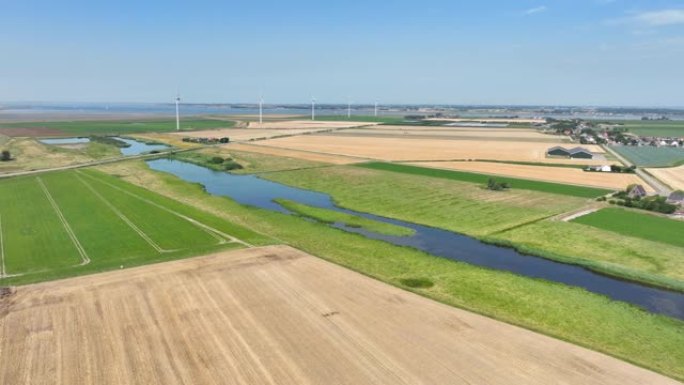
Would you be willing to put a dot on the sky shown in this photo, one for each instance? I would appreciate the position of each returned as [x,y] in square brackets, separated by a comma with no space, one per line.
[542,52]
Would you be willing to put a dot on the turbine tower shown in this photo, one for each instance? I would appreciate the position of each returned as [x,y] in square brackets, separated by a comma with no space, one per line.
[313,108]
[177,113]
[376,109]
[348,108]
[261,110]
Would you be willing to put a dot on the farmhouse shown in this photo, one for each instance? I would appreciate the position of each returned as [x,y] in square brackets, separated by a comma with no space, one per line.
[636,191]
[676,198]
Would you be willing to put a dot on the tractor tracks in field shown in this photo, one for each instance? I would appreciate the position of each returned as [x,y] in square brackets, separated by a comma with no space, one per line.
[85,259]
[124,218]
[218,234]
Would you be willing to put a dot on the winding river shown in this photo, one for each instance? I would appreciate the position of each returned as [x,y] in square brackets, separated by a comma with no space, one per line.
[254,191]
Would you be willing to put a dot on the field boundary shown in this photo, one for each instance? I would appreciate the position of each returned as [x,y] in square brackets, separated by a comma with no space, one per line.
[2,252]
[212,231]
[85,259]
[124,218]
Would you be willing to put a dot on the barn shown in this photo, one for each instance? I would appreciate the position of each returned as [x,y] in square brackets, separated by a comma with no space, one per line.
[581,153]
[557,151]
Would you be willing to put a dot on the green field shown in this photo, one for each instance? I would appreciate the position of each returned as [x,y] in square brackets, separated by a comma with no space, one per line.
[666,128]
[453,205]
[572,314]
[74,222]
[648,156]
[120,127]
[553,188]
[633,224]
[330,217]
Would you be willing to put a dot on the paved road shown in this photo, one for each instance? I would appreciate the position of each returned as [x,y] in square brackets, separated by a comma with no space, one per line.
[658,186]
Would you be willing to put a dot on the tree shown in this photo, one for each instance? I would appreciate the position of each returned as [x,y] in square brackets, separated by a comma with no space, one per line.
[5,156]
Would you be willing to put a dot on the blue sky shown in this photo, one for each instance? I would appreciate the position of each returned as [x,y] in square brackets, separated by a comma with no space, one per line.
[579,52]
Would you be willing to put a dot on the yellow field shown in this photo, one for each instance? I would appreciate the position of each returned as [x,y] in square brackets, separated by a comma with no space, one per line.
[496,120]
[316,157]
[271,315]
[308,124]
[456,132]
[406,149]
[673,176]
[548,174]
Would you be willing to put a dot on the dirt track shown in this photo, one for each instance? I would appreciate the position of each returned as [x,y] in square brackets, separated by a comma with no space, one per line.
[271,315]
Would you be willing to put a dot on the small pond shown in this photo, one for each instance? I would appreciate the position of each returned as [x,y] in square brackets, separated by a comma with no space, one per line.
[136,147]
[61,141]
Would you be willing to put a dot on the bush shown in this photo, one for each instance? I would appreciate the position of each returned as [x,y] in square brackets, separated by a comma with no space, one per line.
[494,185]
[216,160]
[232,165]
[5,156]
[417,283]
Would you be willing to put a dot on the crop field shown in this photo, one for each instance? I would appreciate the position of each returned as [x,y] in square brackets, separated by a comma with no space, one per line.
[455,205]
[668,128]
[107,127]
[673,176]
[69,223]
[563,175]
[306,124]
[272,315]
[635,224]
[648,156]
[525,184]
[464,133]
[246,134]
[283,153]
[421,149]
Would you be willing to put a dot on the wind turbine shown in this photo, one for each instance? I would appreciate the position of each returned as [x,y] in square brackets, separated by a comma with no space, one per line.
[348,108]
[177,112]
[376,109]
[261,109]
[313,108]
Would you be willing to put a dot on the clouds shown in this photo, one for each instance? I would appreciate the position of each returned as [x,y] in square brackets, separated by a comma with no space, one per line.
[536,10]
[652,19]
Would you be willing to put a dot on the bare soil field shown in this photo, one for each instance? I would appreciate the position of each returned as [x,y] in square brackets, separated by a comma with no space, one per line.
[407,149]
[547,174]
[308,124]
[456,133]
[672,176]
[272,315]
[496,120]
[304,155]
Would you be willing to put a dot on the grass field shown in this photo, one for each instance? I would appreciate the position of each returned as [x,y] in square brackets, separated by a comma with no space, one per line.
[655,342]
[668,128]
[453,205]
[69,223]
[330,217]
[648,156]
[524,184]
[111,127]
[638,225]
[612,253]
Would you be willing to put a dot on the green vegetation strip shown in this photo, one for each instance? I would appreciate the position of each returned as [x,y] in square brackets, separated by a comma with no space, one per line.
[652,341]
[553,188]
[647,156]
[330,217]
[638,225]
[110,127]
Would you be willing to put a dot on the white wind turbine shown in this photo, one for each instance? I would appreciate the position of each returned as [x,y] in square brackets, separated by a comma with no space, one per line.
[261,109]
[177,112]
[376,109]
[313,108]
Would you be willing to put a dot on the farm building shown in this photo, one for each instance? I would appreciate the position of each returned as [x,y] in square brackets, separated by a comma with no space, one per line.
[577,152]
[636,191]
[581,152]
[676,198]
[558,151]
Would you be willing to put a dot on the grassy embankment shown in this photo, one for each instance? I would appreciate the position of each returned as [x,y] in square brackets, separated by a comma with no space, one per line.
[250,162]
[331,217]
[113,127]
[572,314]
[54,223]
[29,154]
